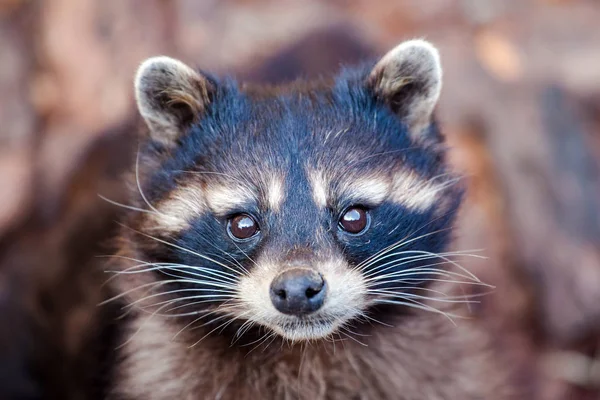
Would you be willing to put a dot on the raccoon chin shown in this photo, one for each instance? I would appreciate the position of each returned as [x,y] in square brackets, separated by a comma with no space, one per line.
[307,329]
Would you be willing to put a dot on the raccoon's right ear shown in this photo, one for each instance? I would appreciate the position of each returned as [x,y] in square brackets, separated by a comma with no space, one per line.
[170,97]
[409,79]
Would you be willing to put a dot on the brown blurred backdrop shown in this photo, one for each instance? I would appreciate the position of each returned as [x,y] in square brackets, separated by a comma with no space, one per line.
[520,106]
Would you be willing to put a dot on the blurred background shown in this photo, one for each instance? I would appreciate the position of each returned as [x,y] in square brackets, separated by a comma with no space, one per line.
[520,107]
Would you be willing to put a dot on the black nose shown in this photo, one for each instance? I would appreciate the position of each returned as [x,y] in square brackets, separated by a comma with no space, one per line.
[298,291]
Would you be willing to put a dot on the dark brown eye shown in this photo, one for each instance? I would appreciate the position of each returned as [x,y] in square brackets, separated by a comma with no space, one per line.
[242,226]
[354,220]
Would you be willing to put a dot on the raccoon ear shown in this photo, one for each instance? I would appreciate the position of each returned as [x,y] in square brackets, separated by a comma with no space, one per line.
[409,79]
[170,96]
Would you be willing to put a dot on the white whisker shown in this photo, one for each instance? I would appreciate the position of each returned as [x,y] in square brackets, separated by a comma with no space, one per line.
[403,242]
[131,304]
[199,318]
[128,207]
[210,297]
[443,256]
[425,254]
[392,294]
[211,274]
[186,250]
[222,326]
[418,305]
[210,271]
[392,277]
[351,337]
[139,186]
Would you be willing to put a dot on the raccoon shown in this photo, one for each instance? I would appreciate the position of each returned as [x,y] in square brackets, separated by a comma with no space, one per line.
[291,241]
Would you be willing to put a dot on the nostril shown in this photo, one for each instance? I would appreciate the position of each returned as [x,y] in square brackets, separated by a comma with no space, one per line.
[298,291]
[315,286]
[312,292]
[281,294]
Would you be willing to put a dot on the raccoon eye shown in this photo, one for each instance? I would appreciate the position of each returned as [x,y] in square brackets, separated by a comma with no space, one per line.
[242,226]
[354,220]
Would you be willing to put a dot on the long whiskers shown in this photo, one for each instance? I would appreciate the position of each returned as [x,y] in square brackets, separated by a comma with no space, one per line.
[139,186]
[418,305]
[379,269]
[202,256]
[187,269]
[126,206]
[232,318]
[403,242]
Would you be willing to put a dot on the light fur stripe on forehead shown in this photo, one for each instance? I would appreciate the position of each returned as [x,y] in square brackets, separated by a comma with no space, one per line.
[176,212]
[411,191]
[275,192]
[405,188]
[224,198]
[373,188]
[188,202]
[320,187]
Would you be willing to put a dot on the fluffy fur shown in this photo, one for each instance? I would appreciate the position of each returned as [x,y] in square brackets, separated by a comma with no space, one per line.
[199,321]
[419,358]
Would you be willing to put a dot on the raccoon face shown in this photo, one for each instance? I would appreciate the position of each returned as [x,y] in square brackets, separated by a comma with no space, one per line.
[298,209]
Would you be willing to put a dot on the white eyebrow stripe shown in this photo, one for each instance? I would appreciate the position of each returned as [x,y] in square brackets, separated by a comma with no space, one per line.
[275,192]
[413,192]
[320,187]
[222,199]
[190,201]
[373,189]
[405,188]
[176,212]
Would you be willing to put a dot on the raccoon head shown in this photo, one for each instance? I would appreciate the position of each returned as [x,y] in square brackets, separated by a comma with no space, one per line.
[298,208]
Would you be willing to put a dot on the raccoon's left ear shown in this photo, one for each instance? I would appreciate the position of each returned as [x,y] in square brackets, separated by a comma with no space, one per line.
[170,97]
[409,79]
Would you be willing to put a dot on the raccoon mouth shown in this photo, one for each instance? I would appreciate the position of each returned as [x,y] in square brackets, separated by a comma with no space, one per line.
[306,329]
